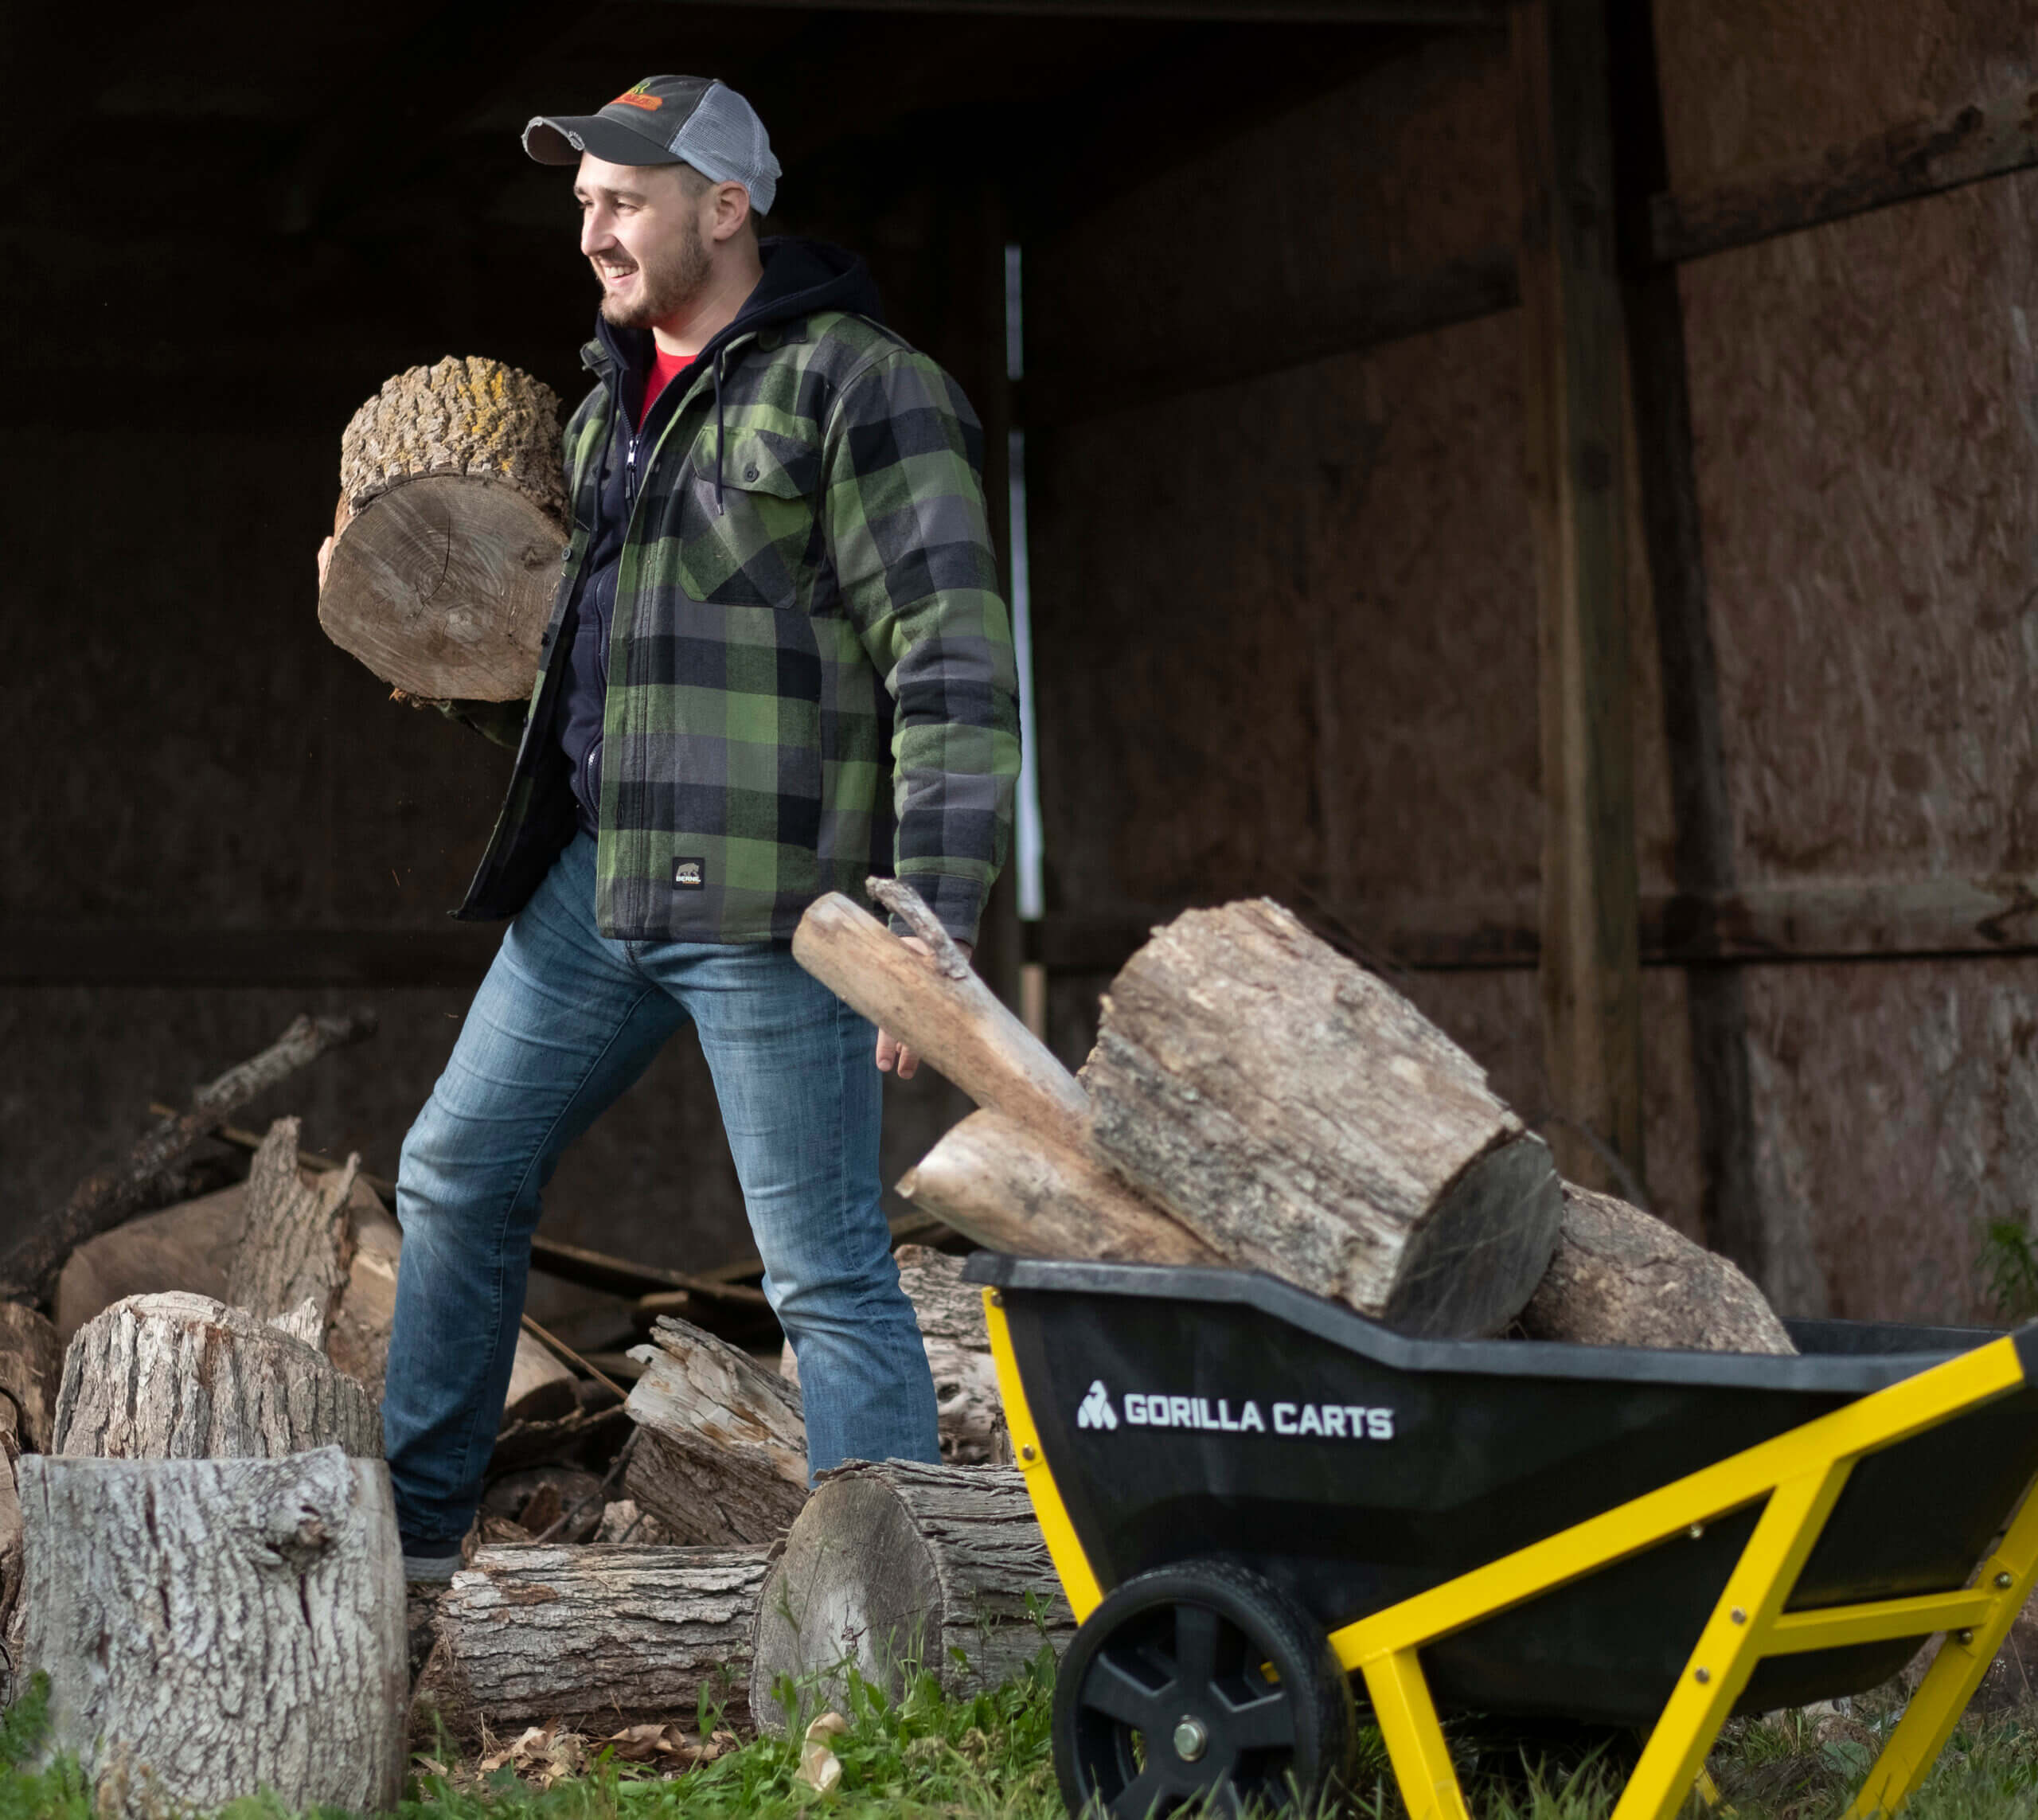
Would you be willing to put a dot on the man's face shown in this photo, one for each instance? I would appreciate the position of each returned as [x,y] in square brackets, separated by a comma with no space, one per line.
[640,230]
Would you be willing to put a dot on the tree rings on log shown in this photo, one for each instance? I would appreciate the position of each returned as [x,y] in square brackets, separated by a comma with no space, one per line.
[452,518]
[898,1565]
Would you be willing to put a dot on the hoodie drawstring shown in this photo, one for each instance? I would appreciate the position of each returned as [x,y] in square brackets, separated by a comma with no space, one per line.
[719,437]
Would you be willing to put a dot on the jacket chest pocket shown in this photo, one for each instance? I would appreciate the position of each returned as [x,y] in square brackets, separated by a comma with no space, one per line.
[753,541]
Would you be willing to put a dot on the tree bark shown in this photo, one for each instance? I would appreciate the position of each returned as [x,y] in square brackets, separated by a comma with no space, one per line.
[1300,1116]
[950,1314]
[998,1182]
[31,1371]
[214,1627]
[1621,1278]
[721,1447]
[296,1243]
[900,1564]
[179,1377]
[623,1634]
[452,517]
[10,1535]
[29,1271]
[955,1023]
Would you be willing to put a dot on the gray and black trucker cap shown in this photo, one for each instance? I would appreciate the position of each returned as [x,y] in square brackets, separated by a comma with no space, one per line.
[668,119]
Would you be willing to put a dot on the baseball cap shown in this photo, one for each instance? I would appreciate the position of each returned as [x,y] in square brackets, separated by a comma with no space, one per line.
[668,119]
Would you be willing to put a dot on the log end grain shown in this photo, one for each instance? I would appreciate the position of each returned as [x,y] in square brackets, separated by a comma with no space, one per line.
[895,1567]
[1470,1267]
[1622,1277]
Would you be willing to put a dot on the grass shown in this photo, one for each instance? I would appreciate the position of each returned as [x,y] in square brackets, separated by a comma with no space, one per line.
[924,1756]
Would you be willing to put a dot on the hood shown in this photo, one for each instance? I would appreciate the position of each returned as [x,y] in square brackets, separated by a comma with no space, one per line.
[801,278]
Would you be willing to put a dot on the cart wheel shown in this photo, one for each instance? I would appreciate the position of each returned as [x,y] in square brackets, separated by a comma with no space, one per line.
[1164,1698]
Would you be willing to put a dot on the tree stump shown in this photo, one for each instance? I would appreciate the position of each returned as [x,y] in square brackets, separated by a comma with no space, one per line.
[1301,1116]
[180,1376]
[630,1634]
[214,1627]
[721,1443]
[31,1371]
[1621,1278]
[896,1565]
[452,518]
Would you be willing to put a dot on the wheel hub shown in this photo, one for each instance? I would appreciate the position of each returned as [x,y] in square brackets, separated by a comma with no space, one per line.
[1192,1739]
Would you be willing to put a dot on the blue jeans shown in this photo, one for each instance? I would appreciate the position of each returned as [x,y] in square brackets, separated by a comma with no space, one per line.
[565,1021]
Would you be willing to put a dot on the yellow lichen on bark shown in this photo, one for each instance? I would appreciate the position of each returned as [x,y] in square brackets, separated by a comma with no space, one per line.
[469,416]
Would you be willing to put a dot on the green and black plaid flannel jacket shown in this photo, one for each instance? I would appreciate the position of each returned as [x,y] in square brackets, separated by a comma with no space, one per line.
[811,675]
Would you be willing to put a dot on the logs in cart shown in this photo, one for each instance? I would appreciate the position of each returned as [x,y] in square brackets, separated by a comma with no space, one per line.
[1256,1099]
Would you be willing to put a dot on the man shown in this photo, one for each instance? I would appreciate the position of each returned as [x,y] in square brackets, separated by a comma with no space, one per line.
[778,663]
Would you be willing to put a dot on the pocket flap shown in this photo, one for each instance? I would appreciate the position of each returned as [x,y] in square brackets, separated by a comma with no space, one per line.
[758,462]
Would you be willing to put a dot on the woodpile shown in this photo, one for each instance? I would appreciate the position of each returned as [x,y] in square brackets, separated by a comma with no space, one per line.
[1256,1099]
[452,521]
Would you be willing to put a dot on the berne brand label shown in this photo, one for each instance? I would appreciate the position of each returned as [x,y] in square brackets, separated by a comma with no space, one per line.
[1228,1416]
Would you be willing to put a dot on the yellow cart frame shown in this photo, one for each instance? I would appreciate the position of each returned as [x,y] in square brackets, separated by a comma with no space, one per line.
[1797,1478]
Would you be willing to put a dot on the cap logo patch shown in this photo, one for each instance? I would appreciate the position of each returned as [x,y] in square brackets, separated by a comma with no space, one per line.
[637,98]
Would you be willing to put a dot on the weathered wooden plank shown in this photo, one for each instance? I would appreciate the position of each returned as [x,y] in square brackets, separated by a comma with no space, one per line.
[1978,140]
[1576,473]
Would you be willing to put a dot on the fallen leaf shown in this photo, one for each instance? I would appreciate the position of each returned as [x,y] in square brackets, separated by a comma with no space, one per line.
[819,1767]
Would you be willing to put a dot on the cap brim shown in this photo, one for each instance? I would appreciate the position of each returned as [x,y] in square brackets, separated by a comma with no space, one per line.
[561,138]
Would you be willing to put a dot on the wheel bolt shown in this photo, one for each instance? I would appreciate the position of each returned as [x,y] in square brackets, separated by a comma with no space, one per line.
[1191,1740]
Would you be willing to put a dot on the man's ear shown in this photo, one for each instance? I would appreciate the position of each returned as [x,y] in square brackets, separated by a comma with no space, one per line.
[731,211]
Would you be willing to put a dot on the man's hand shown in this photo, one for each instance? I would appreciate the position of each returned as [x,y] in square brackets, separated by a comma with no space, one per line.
[892,1053]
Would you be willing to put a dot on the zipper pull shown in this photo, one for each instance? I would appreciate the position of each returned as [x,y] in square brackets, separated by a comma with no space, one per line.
[630,471]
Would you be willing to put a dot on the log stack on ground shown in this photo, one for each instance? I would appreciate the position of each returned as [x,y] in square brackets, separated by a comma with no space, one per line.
[532,1635]
[895,1565]
[179,1377]
[452,519]
[31,1373]
[721,1456]
[213,1628]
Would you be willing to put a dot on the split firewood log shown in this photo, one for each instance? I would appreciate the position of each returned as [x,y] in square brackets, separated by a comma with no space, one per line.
[721,1442]
[1301,1116]
[11,1533]
[212,1628]
[950,1314]
[452,521]
[625,1634]
[296,1242]
[102,1202]
[189,1247]
[31,1373]
[1622,1277]
[180,1376]
[895,1565]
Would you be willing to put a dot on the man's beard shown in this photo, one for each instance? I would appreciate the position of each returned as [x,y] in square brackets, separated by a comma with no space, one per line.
[668,284]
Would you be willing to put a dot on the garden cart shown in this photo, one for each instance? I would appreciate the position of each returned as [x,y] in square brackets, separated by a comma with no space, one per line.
[1252,1495]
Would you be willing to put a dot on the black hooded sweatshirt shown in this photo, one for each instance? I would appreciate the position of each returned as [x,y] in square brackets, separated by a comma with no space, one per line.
[801,278]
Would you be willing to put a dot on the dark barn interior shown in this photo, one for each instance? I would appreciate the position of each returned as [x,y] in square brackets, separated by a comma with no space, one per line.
[1547,493]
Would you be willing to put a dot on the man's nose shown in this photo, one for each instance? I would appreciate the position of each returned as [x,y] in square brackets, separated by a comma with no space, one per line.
[596,235]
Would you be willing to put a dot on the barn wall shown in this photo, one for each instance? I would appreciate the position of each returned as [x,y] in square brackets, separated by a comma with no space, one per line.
[1286,627]
[1865,412]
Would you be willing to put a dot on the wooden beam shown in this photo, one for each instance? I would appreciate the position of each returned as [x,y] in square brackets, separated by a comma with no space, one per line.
[1241,12]
[1576,469]
[1799,924]
[1921,158]
[453,956]
[1388,310]
[1730,1205]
